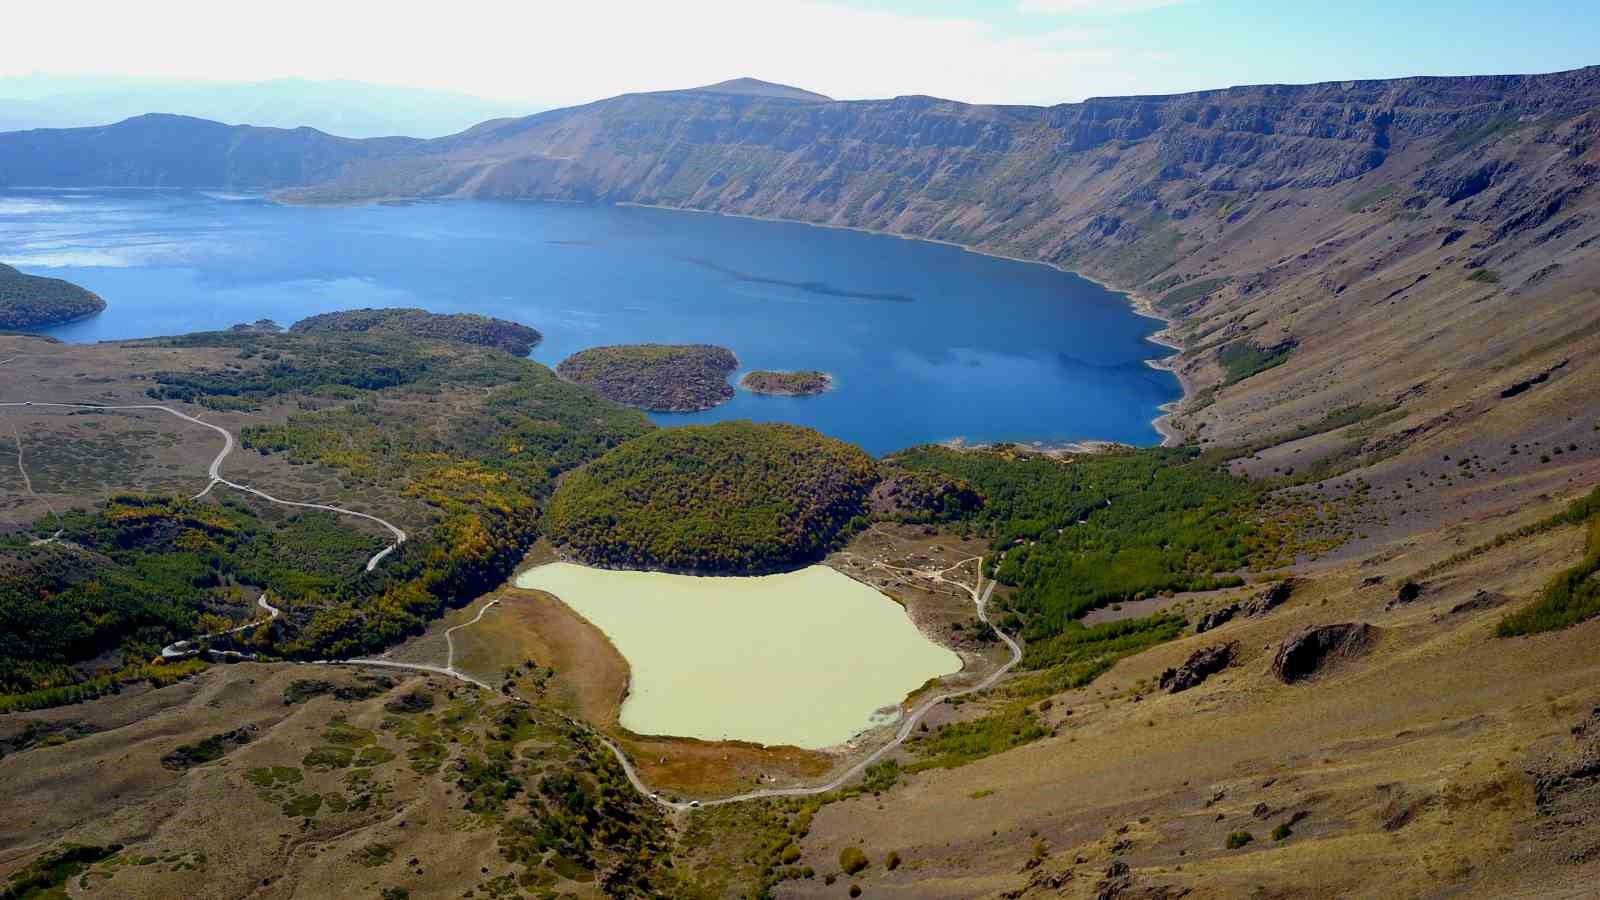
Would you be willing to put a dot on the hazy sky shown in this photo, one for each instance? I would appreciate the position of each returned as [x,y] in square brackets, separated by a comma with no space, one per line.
[1012,51]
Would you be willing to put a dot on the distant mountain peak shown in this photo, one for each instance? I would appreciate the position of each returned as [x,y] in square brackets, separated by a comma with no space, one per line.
[755,87]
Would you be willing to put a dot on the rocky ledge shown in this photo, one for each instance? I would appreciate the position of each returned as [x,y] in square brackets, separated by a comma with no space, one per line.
[1319,647]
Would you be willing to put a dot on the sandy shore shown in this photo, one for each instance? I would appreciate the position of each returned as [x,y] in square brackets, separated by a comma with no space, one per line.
[1142,305]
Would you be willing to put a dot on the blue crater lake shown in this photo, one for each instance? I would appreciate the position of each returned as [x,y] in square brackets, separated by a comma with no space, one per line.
[926,342]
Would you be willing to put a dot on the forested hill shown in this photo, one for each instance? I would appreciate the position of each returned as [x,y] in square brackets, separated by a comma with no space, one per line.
[466,328]
[29,301]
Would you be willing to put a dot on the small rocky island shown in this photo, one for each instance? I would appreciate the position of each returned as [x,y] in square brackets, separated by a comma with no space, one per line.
[655,377]
[461,328]
[805,383]
[28,302]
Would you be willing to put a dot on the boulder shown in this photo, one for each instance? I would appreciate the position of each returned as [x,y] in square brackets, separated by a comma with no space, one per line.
[1216,617]
[1571,781]
[1269,599]
[1480,600]
[1202,664]
[1314,649]
[1260,604]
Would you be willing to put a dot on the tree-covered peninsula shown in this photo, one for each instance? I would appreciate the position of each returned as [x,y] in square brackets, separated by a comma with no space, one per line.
[29,301]
[462,328]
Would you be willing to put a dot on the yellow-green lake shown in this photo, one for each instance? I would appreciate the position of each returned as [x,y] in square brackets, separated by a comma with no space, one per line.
[808,658]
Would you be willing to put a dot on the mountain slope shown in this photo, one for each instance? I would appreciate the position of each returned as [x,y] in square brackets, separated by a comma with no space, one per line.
[351,108]
[160,150]
[1324,247]
[755,87]
[1360,241]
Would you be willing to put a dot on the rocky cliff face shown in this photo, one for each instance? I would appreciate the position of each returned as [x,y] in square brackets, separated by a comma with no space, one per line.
[1356,244]
[1387,236]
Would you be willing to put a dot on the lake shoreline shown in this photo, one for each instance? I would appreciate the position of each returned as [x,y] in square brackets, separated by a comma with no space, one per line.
[1140,304]
[673,691]
[1054,359]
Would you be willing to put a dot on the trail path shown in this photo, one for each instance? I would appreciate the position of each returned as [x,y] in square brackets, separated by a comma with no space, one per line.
[181,649]
[215,470]
[448,669]
[980,597]
[980,594]
[27,484]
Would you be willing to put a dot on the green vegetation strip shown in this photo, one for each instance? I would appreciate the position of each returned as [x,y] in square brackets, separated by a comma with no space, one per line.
[1242,359]
[1178,298]
[1576,513]
[1572,597]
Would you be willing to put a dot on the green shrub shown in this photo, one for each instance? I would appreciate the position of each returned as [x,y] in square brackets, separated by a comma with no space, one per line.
[1239,839]
[852,860]
[1242,359]
[1485,276]
[1570,598]
[374,855]
[1368,197]
[47,874]
[187,756]
[1282,831]
[305,806]
[959,743]
[1194,290]
[892,861]
[329,758]
[274,776]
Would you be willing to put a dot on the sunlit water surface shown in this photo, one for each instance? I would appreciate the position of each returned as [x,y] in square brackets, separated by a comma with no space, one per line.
[926,342]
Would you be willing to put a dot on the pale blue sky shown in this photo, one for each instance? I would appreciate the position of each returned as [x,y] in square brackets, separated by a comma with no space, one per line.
[998,51]
[1216,43]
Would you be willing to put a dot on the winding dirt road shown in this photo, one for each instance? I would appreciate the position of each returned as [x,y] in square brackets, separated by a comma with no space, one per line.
[181,649]
[448,670]
[215,471]
[980,597]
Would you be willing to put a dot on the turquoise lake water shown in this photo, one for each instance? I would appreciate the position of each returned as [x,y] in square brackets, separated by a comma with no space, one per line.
[926,342]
